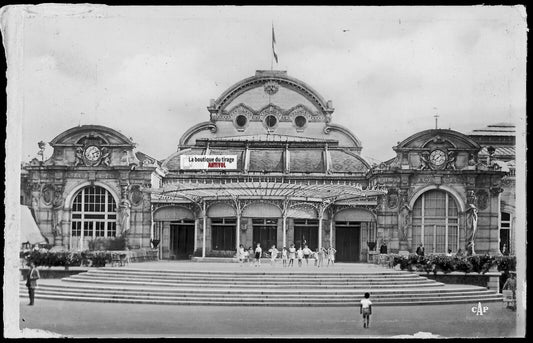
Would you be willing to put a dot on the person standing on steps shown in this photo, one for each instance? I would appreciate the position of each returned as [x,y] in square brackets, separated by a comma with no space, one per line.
[300,256]
[366,310]
[273,255]
[331,256]
[241,254]
[292,255]
[321,254]
[307,252]
[31,282]
[284,256]
[251,256]
[258,253]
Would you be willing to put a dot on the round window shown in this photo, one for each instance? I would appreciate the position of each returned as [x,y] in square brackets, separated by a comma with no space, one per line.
[241,120]
[271,121]
[300,121]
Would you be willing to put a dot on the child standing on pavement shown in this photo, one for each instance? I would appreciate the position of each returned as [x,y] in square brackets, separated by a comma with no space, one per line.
[273,255]
[366,310]
[300,256]
[284,256]
[292,255]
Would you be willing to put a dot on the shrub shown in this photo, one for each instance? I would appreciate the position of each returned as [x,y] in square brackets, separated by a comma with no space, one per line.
[506,263]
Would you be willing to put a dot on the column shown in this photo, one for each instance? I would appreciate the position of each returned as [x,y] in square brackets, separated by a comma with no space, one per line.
[204,223]
[284,219]
[320,230]
[152,223]
[238,227]
[195,233]
[331,230]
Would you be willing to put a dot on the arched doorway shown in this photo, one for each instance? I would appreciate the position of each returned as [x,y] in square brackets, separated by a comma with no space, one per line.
[94,215]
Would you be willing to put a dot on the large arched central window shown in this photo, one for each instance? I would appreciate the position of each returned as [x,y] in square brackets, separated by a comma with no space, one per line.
[94,213]
[436,222]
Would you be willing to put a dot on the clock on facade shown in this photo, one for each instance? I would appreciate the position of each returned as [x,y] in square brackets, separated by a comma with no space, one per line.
[437,157]
[92,153]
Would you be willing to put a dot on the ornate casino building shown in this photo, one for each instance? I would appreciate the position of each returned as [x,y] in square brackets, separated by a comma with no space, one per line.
[270,166]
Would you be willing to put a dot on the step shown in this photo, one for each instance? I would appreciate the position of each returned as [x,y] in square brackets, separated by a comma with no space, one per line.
[263,303]
[242,285]
[251,282]
[273,297]
[295,292]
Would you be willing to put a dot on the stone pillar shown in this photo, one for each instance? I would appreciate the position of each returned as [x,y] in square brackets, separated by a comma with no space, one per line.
[204,227]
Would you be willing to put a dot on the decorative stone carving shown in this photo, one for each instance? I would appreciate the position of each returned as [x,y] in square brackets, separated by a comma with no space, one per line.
[495,190]
[271,87]
[470,197]
[124,215]
[392,199]
[482,199]
[48,194]
[424,160]
[471,228]
[57,214]
[450,163]
[404,221]
[105,159]
[136,195]
[79,157]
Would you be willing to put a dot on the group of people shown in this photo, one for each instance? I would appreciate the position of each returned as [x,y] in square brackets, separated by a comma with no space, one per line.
[320,255]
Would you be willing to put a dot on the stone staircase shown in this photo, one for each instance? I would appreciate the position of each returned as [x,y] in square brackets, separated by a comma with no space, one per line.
[257,287]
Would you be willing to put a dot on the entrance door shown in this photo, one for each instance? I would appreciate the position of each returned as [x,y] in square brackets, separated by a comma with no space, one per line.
[182,239]
[306,232]
[347,237]
[265,232]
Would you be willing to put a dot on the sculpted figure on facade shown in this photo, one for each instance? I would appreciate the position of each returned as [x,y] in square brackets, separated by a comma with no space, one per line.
[57,214]
[424,160]
[79,157]
[451,161]
[471,227]
[125,207]
[105,160]
[404,222]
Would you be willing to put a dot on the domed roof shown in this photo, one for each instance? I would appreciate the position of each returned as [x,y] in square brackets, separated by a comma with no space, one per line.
[270,103]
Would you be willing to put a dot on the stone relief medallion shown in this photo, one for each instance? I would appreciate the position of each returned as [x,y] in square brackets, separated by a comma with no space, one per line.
[482,199]
[271,87]
[136,195]
[48,194]
[392,200]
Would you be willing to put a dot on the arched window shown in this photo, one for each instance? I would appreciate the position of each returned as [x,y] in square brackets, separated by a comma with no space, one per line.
[94,213]
[436,222]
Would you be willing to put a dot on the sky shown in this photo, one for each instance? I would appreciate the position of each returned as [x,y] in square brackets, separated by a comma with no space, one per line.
[149,72]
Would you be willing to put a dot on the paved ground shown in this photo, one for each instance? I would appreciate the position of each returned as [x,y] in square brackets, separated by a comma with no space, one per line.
[87,319]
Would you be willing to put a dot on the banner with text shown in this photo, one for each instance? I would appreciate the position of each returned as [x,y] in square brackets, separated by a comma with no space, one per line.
[208,162]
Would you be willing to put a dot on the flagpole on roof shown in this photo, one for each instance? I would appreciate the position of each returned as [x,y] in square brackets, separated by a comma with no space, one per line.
[272,55]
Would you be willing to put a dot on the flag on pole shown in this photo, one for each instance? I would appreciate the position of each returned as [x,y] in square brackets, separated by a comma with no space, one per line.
[274,45]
